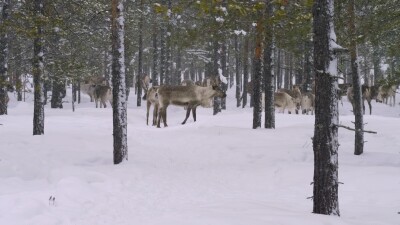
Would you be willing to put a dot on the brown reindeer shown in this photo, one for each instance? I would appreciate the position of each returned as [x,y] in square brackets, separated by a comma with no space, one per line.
[190,96]
[90,84]
[103,94]
[368,93]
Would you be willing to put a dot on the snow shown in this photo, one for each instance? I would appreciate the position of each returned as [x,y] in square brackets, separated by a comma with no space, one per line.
[215,171]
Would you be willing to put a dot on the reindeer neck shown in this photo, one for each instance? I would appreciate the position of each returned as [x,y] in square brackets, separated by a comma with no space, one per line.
[207,92]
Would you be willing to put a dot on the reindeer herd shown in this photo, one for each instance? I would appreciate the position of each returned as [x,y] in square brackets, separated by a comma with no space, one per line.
[192,94]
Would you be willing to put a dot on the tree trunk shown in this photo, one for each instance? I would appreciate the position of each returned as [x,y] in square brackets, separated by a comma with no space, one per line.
[140,57]
[154,75]
[357,94]
[307,66]
[325,141]
[215,74]
[178,71]
[163,54]
[278,70]
[57,93]
[224,72]
[269,87]
[237,71]
[4,51]
[118,81]
[168,49]
[245,70]
[377,63]
[257,94]
[38,64]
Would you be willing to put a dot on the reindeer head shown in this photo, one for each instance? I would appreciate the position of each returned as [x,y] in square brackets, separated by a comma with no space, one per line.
[219,92]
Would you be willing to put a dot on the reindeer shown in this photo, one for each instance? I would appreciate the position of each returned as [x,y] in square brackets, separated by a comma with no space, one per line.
[368,93]
[307,103]
[295,93]
[190,96]
[103,94]
[89,90]
[187,83]
[386,93]
[152,99]
[90,85]
[285,101]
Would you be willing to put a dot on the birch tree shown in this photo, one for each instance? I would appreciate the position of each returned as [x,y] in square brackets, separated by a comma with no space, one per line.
[118,82]
[325,141]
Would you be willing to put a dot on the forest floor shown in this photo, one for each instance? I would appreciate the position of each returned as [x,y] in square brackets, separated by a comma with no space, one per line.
[216,171]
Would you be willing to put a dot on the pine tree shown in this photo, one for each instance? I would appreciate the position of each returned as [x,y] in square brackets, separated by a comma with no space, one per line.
[4,56]
[257,94]
[38,71]
[357,96]
[325,141]
[269,87]
[118,81]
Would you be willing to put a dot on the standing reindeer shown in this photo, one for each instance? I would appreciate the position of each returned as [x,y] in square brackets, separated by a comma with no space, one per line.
[103,94]
[190,96]
[152,99]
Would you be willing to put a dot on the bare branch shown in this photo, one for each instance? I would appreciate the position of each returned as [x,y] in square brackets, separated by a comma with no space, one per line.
[349,128]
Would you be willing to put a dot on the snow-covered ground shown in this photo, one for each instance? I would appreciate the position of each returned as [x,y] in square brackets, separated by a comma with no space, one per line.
[216,171]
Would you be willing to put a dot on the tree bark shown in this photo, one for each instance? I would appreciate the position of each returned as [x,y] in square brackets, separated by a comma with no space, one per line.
[215,73]
[245,70]
[154,75]
[357,94]
[257,94]
[237,71]
[140,58]
[57,93]
[269,87]
[325,141]
[4,51]
[118,81]
[38,69]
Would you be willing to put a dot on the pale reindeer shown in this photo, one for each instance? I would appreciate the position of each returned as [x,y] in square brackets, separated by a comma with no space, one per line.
[152,99]
[190,96]
[386,93]
[89,90]
[145,81]
[295,93]
[187,83]
[103,94]
[367,94]
[307,103]
[90,85]
[285,101]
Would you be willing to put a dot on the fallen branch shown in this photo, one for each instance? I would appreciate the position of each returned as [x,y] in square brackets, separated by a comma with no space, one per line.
[349,128]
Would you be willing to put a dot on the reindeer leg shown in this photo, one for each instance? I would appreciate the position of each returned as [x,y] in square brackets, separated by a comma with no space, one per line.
[155,114]
[189,108]
[194,113]
[164,114]
[363,107]
[147,112]
[370,107]
[159,117]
